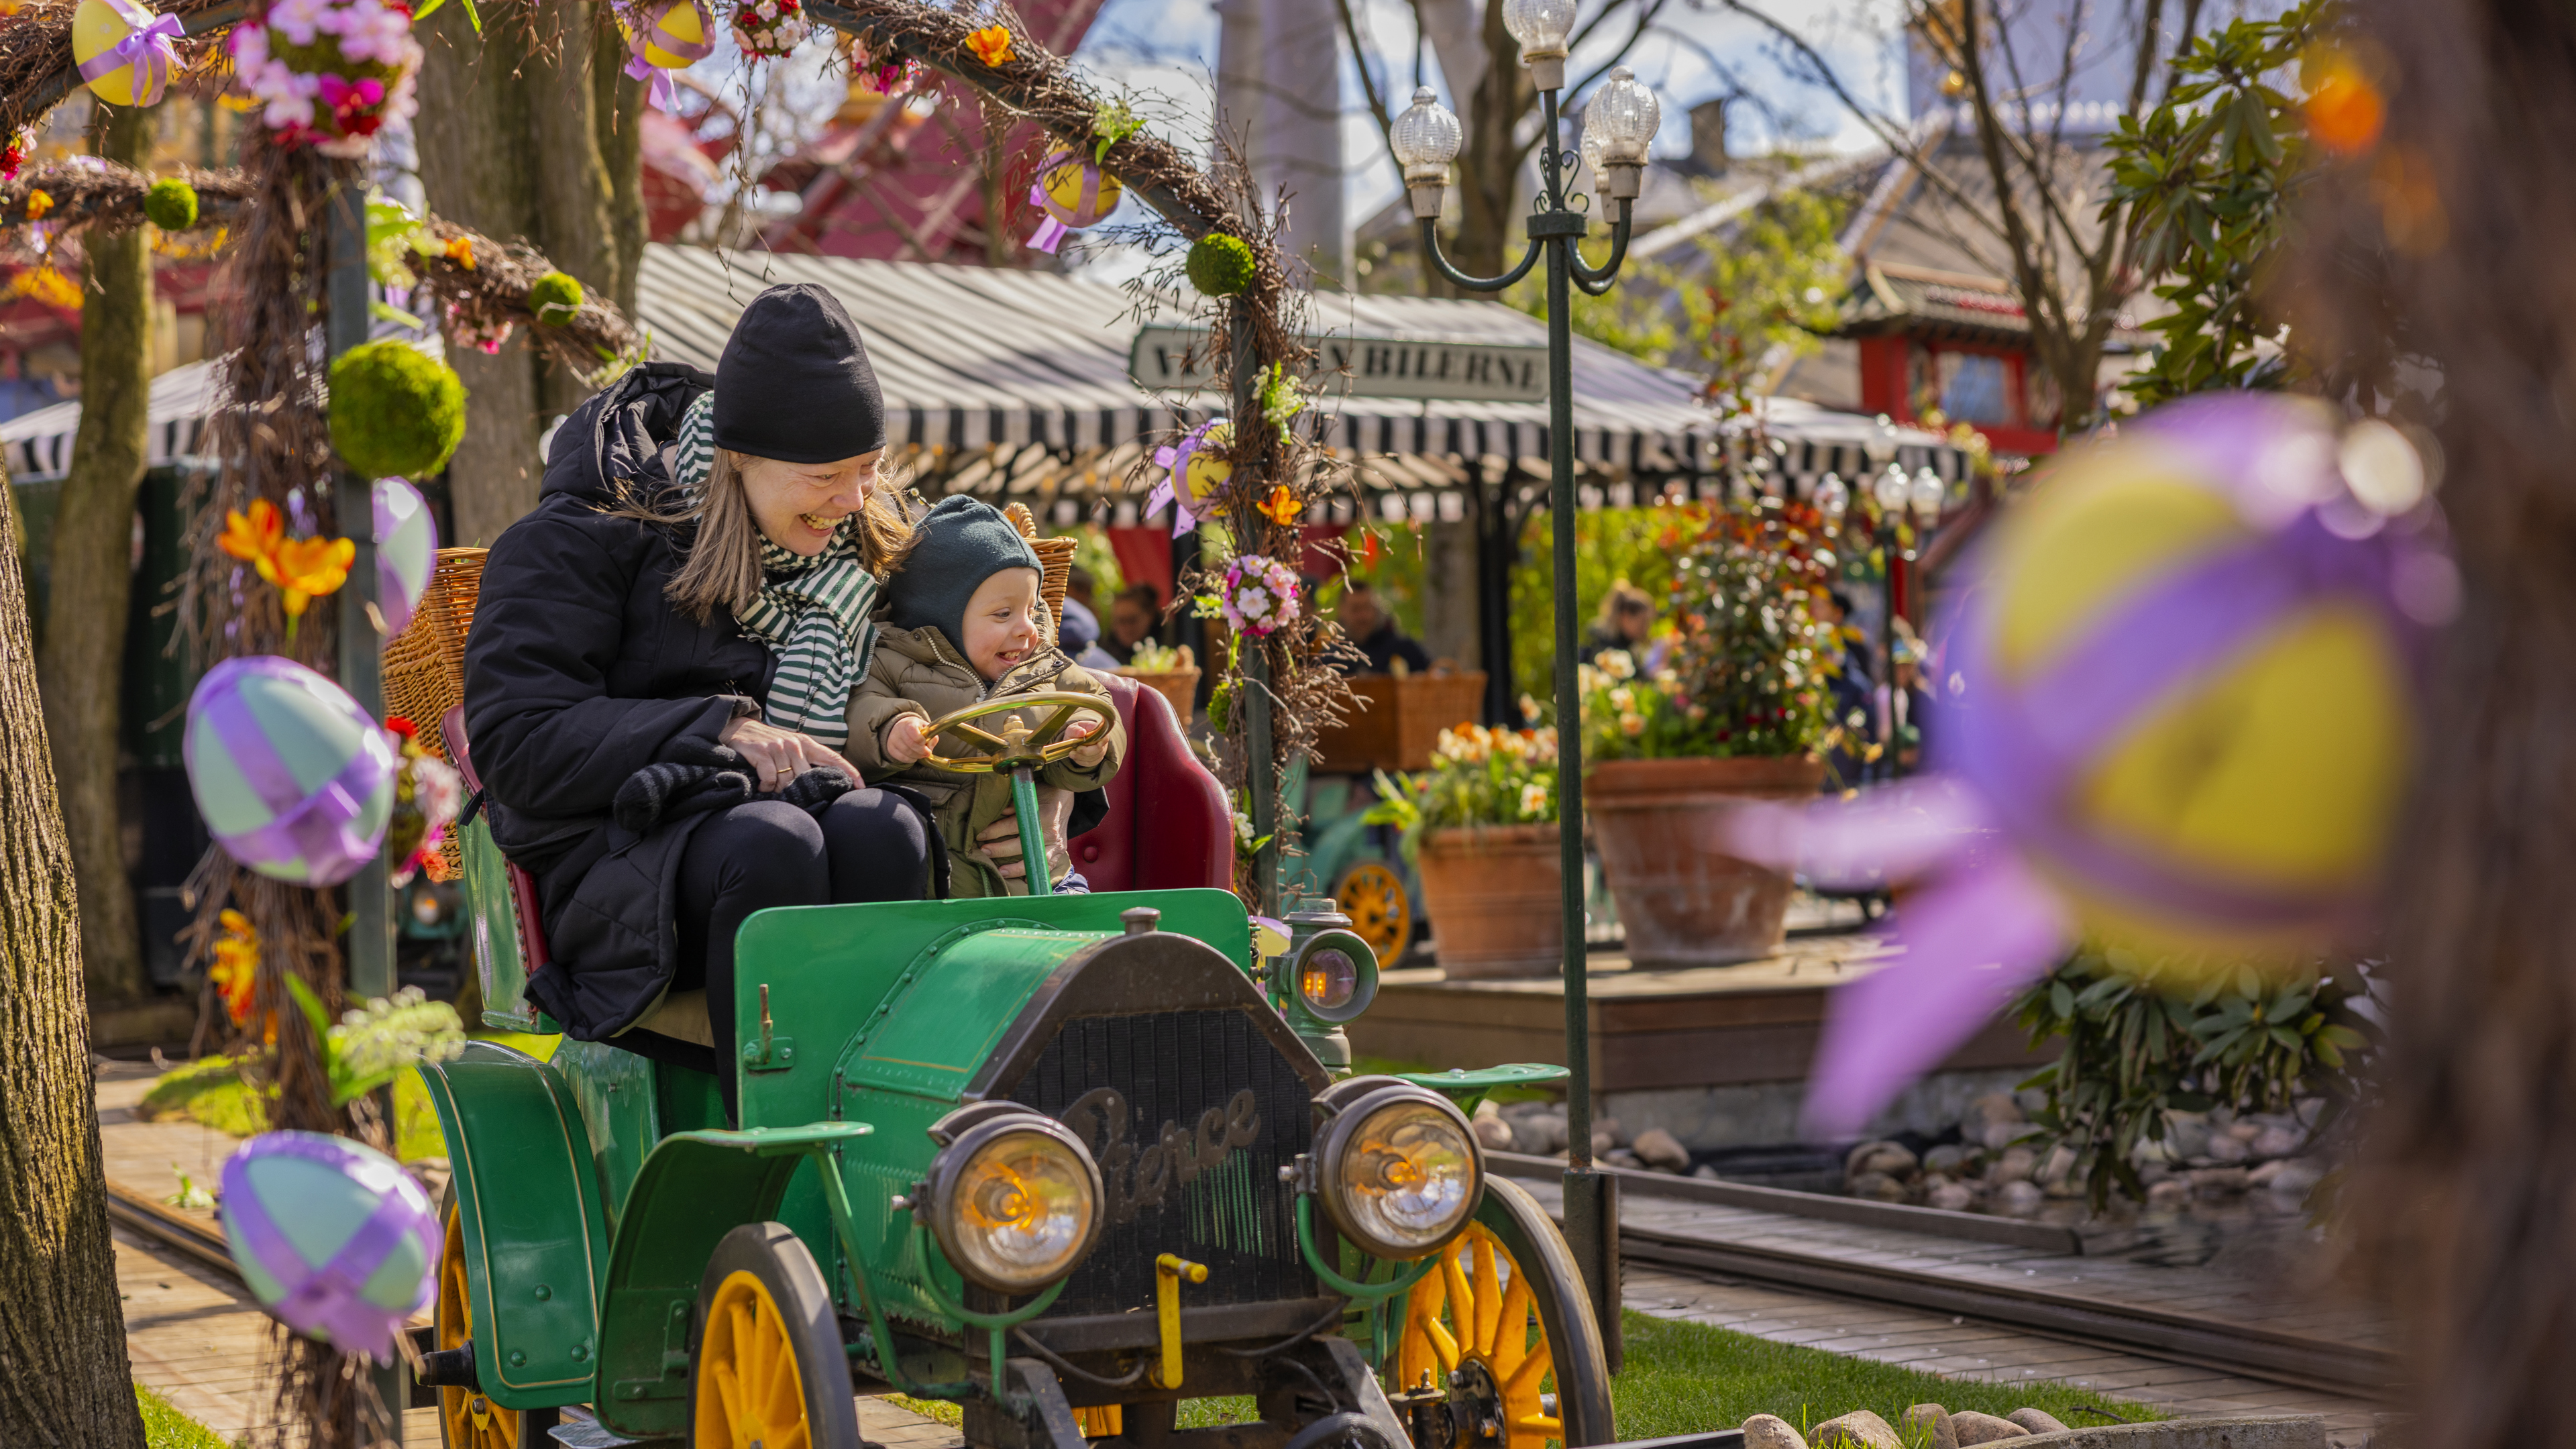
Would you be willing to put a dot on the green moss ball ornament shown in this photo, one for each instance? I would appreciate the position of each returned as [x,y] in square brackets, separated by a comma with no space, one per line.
[554,297]
[395,412]
[171,204]
[1220,265]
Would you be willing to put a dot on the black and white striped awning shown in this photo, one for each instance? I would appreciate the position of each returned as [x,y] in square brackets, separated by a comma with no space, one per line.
[38,445]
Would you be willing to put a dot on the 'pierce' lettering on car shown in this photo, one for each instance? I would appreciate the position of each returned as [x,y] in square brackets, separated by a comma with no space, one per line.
[1138,1178]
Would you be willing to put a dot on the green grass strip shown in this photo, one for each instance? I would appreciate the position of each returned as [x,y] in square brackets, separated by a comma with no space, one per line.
[166,1428]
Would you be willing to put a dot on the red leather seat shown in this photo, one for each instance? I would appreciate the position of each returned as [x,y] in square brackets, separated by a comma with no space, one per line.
[1168,827]
[523,886]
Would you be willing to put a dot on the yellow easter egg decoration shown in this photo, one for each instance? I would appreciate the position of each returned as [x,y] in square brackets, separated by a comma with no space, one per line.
[124,52]
[1077,193]
[2191,693]
[674,34]
[1204,476]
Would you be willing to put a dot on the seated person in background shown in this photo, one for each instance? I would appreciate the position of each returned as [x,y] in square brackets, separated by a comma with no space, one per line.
[1131,619]
[966,623]
[1373,643]
[1627,616]
[1079,636]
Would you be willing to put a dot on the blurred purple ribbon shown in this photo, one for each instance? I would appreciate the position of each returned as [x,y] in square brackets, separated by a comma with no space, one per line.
[328,1301]
[150,50]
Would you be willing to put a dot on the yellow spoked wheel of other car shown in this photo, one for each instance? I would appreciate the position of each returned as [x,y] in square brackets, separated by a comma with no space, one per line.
[466,1419]
[1372,895]
[1503,1326]
[769,1371]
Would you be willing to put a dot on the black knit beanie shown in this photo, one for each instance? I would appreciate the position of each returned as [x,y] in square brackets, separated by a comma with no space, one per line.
[956,547]
[794,382]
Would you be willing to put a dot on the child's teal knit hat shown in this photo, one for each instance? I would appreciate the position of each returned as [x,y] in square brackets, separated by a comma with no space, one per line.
[956,547]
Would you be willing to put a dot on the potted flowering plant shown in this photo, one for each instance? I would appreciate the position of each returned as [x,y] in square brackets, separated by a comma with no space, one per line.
[1480,827]
[1741,709]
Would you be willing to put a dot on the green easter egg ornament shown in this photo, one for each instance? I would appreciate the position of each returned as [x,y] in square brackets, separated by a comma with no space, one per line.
[395,412]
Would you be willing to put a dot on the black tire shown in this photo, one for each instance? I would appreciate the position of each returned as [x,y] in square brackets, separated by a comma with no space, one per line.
[757,1267]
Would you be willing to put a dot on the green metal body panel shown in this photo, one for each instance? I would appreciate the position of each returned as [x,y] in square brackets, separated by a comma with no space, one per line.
[492,912]
[884,1013]
[528,1205]
[693,1188]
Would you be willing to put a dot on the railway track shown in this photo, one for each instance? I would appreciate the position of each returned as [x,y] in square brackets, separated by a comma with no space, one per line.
[2302,1360]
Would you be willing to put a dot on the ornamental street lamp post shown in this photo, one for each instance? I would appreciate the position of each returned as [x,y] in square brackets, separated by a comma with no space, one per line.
[1618,126]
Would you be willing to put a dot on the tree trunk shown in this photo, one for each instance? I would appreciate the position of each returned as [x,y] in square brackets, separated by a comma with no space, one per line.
[92,579]
[618,108]
[64,1377]
[571,220]
[1489,168]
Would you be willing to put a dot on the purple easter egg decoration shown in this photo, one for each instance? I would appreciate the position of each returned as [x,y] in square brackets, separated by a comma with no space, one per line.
[333,1237]
[406,551]
[292,778]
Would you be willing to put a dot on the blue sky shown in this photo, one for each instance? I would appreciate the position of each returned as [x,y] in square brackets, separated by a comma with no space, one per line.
[1166,49]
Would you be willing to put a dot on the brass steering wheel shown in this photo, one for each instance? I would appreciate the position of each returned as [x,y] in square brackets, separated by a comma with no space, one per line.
[1017,744]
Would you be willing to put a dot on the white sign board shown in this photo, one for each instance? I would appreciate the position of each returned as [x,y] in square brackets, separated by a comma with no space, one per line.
[1174,359]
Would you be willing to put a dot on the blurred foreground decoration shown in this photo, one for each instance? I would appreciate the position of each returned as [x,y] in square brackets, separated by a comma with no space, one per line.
[2179,717]
[333,1237]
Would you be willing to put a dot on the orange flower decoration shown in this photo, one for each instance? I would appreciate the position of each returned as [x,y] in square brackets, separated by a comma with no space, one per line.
[236,968]
[2344,110]
[460,250]
[992,45]
[1281,507]
[254,538]
[40,202]
[307,569]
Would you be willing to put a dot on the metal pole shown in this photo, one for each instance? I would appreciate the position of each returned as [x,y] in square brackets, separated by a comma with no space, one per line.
[370,898]
[1260,765]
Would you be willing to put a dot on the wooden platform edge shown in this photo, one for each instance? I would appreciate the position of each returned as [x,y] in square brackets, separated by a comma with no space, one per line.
[1936,1222]
[138,1211]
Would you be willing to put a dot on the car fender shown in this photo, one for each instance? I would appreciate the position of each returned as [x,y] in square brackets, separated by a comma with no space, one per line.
[536,1242]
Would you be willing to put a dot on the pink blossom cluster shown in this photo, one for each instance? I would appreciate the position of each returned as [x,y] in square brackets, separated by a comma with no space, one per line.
[769,28]
[328,109]
[1260,594]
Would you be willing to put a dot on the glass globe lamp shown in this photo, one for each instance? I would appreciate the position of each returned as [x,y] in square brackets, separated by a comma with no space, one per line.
[1927,494]
[1541,27]
[1625,115]
[1425,140]
[1892,490]
[1832,499]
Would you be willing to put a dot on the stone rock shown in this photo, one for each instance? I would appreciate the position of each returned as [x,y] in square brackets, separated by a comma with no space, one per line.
[2222,1117]
[1877,1185]
[2061,1161]
[2172,1192]
[2001,1135]
[1706,1173]
[2037,1421]
[1972,1427]
[1955,1197]
[2217,1181]
[1488,1107]
[1618,1134]
[1889,1158]
[2152,1173]
[1852,1160]
[1659,1148]
[2019,1198]
[1860,1428]
[1986,1111]
[2288,1177]
[2245,1129]
[1539,1134]
[2226,1148]
[1949,1159]
[2187,1134]
[1927,1426]
[1770,1431]
[1494,1134]
[2275,1142]
[2016,1164]
[1603,1144]
[1616,1156]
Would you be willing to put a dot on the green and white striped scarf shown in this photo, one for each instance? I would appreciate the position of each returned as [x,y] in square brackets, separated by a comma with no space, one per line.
[812,612]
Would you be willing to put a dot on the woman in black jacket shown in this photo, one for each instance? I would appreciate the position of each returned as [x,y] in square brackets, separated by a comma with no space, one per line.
[660,662]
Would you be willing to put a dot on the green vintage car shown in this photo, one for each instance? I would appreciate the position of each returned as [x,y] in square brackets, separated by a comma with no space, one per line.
[1064,1160]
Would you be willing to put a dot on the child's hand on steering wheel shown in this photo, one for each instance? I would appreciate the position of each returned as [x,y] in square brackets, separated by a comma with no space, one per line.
[1092,754]
[904,742]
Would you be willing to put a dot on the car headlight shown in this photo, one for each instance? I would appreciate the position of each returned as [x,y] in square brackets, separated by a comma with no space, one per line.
[1335,976]
[1397,1166]
[1014,1201]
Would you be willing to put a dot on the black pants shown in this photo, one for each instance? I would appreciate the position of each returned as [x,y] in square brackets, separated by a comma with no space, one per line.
[865,846]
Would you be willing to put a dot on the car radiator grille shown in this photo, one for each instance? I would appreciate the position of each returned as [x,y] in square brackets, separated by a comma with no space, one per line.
[1211,1112]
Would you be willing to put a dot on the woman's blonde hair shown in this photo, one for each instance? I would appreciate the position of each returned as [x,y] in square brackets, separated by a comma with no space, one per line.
[721,566]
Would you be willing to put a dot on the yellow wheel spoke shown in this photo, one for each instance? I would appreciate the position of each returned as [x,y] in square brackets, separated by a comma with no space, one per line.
[1532,1369]
[1489,1298]
[1513,1346]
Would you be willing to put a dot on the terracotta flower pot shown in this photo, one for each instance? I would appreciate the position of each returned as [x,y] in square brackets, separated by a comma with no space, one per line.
[1681,903]
[1492,893]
